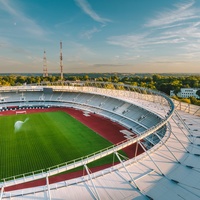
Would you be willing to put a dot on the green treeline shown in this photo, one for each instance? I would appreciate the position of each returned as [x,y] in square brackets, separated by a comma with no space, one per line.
[163,83]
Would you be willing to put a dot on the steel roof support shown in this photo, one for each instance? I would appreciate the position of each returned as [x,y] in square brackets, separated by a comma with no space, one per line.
[95,193]
[150,158]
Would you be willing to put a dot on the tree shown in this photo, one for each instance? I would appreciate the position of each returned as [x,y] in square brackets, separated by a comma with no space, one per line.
[156,77]
[177,90]
[198,93]
[21,79]
[99,79]
[109,86]
[186,100]
[195,101]
[120,86]
[86,78]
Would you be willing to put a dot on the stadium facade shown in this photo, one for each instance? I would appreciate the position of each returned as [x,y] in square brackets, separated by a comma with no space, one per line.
[168,132]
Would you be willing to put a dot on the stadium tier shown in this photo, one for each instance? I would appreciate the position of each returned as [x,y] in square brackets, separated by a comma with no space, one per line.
[166,132]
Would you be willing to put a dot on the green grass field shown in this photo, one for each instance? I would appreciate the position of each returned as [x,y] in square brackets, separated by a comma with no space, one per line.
[45,140]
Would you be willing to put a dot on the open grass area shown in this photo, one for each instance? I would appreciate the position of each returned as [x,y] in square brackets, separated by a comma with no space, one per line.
[44,140]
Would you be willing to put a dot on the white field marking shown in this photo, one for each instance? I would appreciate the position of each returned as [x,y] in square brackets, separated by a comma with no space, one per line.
[86,113]
[18,125]
[127,134]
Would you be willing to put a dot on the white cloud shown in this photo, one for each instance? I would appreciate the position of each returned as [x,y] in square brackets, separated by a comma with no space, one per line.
[85,6]
[129,41]
[8,61]
[107,65]
[89,33]
[171,32]
[4,43]
[63,23]
[185,5]
[78,53]
[181,12]
[27,24]
[36,59]
[81,49]
[145,40]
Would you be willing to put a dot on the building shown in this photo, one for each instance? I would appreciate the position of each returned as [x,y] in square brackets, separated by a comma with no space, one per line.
[186,92]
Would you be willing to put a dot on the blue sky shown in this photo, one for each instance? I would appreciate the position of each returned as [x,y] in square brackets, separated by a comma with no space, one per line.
[136,36]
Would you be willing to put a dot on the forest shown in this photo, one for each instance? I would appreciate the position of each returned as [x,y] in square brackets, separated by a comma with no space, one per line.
[160,82]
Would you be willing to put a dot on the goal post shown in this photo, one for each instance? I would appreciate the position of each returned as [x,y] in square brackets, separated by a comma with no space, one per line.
[17,112]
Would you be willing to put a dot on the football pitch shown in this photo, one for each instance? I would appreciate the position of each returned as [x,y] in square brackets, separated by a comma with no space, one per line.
[30,142]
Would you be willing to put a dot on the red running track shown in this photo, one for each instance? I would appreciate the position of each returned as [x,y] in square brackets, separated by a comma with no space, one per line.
[101,125]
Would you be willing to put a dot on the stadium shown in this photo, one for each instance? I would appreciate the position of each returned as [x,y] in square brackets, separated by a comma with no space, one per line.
[151,151]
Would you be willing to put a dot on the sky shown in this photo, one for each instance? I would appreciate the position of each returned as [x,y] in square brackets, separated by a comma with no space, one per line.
[125,36]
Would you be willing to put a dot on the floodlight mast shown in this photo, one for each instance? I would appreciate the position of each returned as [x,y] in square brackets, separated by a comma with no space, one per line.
[45,72]
[61,62]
